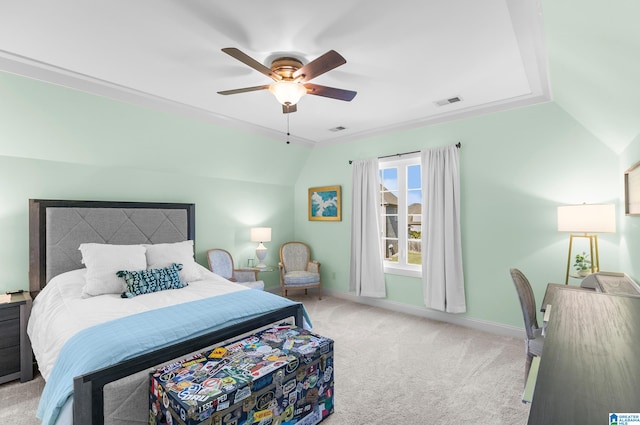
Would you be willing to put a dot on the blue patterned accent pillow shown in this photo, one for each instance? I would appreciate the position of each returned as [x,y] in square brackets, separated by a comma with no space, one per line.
[151,280]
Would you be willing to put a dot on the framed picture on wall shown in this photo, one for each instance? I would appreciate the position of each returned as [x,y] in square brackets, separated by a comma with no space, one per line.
[632,190]
[324,203]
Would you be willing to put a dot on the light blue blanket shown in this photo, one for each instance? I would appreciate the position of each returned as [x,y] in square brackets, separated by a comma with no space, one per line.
[111,342]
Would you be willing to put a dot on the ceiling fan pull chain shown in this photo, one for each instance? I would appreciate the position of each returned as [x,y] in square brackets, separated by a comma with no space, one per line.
[288,134]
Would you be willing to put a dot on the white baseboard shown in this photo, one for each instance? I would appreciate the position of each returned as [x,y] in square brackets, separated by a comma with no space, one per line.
[481,325]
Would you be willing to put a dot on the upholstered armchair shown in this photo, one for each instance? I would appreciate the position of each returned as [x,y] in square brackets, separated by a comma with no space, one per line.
[221,263]
[297,271]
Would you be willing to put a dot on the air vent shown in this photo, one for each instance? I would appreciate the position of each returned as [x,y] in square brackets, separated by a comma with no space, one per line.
[448,101]
[338,128]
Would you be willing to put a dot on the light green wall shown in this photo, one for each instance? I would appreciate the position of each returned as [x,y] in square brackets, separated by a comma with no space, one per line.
[517,167]
[225,209]
[630,225]
[44,121]
[594,69]
[57,143]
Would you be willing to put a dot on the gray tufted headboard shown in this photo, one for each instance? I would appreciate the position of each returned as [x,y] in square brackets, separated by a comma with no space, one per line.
[57,228]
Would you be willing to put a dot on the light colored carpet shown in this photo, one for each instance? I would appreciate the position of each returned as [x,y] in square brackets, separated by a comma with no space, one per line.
[19,401]
[390,368]
[393,368]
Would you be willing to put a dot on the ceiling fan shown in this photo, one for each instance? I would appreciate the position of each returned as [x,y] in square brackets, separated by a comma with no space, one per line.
[291,78]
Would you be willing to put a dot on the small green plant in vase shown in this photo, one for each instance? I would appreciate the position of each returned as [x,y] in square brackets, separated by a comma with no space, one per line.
[582,264]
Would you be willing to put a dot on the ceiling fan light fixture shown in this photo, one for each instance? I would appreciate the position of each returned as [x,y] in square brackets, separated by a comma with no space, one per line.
[288,92]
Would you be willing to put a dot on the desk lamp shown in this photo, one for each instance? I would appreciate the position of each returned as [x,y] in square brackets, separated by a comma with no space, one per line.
[261,234]
[587,219]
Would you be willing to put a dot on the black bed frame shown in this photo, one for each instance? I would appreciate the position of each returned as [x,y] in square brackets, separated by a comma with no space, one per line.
[88,400]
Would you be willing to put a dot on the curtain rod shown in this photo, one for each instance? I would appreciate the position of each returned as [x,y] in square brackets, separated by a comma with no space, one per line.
[458,145]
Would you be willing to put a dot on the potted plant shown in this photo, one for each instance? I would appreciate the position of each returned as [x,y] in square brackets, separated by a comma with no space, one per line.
[582,264]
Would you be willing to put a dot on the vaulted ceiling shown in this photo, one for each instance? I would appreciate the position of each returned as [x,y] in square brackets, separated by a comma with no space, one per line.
[403,61]
[594,62]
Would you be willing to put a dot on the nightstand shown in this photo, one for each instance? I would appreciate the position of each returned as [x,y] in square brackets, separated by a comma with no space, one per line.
[16,359]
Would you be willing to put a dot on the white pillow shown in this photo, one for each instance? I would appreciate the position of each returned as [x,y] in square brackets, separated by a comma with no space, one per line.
[103,261]
[162,255]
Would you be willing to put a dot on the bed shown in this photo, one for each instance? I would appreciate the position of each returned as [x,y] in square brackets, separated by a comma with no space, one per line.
[94,342]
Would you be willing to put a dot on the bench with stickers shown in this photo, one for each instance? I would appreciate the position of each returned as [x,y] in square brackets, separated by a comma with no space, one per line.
[281,375]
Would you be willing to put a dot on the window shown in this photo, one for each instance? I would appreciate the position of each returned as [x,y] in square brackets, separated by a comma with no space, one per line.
[401,215]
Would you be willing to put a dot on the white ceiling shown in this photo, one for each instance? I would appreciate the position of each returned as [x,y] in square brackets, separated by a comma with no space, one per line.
[166,54]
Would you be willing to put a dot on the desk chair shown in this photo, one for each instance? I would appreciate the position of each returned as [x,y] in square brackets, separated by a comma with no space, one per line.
[534,340]
[221,263]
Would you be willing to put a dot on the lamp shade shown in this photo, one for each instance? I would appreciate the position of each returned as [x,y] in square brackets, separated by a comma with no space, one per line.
[260,234]
[587,218]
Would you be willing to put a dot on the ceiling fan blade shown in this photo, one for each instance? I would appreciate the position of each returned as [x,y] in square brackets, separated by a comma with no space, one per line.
[248,60]
[333,93]
[244,90]
[319,66]
[287,109]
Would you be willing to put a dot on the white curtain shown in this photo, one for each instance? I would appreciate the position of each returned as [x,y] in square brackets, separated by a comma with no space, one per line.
[366,276]
[442,276]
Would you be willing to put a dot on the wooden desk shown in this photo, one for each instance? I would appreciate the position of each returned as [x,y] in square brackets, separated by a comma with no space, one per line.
[553,288]
[611,283]
[590,364]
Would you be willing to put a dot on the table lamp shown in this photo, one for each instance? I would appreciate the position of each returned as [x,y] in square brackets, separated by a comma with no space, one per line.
[586,219]
[261,234]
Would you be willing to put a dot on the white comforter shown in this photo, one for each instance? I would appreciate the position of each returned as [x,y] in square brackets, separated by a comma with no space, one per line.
[59,311]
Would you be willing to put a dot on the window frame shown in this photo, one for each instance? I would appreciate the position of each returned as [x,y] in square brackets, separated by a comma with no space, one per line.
[401,164]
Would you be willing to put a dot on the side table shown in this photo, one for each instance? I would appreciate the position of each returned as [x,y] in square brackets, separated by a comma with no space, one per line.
[266,269]
[16,358]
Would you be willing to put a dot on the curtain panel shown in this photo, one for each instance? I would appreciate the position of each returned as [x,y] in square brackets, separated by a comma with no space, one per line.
[442,275]
[366,276]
